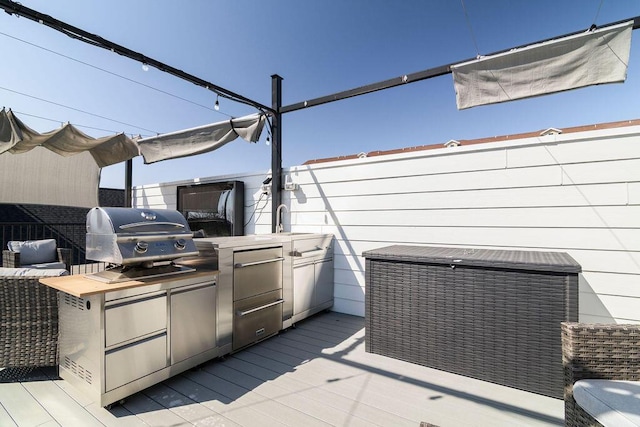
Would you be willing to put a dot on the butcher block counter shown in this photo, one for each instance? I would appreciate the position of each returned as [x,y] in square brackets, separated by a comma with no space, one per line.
[81,286]
[117,339]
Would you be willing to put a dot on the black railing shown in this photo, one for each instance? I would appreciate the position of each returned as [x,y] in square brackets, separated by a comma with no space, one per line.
[66,235]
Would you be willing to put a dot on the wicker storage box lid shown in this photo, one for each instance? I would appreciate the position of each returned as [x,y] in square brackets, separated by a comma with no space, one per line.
[560,262]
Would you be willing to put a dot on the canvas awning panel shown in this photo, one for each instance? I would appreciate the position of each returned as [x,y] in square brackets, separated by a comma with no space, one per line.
[201,139]
[61,167]
[42,177]
[17,138]
[594,57]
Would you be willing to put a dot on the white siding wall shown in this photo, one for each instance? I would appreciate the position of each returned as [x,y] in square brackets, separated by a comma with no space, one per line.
[578,193]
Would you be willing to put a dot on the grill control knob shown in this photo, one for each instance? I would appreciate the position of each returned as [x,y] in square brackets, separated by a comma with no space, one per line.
[180,244]
[141,247]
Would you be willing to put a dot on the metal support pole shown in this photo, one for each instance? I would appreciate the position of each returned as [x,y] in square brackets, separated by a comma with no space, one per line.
[128,181]
[276,149]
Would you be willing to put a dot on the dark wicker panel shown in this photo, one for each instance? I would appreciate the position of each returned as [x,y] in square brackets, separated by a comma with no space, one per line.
[495,324]
[597,351]
[28,323]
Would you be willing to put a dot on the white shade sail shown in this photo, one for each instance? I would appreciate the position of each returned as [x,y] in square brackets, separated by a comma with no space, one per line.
[594,57]
[17,138]
[201,139]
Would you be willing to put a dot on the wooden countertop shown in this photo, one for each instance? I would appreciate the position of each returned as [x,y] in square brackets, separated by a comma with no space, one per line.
[80,286]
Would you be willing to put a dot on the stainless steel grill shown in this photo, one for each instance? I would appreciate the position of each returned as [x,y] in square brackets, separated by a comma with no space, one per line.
[137,242]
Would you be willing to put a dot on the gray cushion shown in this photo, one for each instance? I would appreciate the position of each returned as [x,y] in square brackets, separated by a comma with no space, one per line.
[51,265]
[35,251]
[32,272]
[612,403]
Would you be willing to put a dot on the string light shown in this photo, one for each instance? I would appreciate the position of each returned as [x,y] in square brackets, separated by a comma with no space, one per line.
[216,106]
[145,67]
[268,141]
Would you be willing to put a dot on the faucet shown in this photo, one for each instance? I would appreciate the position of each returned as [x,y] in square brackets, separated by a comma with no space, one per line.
[278,221]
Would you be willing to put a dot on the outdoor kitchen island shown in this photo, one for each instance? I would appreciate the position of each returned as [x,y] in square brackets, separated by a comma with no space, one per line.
[119,338]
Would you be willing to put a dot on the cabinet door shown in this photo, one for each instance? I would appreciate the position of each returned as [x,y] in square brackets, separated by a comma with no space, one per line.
[193,321]
[303,284]
[324,282]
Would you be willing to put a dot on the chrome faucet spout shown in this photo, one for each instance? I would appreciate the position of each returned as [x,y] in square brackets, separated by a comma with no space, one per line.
[278,219]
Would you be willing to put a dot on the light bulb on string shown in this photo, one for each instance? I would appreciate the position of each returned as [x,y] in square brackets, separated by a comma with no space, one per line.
[268,141]
[145,67]
[216,106]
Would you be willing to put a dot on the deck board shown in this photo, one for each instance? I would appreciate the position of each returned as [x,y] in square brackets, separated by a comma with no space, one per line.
[21,406]
[61,406]
[316,374]
[5,418]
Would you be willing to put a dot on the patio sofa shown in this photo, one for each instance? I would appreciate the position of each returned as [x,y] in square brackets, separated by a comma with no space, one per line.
[41,254]
[28,318]
[598,352]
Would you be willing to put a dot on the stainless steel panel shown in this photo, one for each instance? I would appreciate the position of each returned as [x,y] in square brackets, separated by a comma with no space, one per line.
[303,287]
[193,321]
[134,361]
[251,325]
[324,283]
[225,298]
[81,343]
[256,271]
[135,317]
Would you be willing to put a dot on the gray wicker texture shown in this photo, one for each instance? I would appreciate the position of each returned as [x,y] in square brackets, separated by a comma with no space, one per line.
[28,323]
[12,259]
[559,262]
[597,351]
[495,324]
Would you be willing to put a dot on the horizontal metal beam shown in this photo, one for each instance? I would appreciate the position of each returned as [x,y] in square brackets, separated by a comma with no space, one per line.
[418,76]
[374,87]
[11,7]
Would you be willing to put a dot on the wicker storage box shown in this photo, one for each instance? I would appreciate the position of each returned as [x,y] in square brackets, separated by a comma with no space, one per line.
[488,314]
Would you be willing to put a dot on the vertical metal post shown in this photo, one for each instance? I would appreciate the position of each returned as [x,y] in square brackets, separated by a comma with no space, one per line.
[276,149]
[128,180]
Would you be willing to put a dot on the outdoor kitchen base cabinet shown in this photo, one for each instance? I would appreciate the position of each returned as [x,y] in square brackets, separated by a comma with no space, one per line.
[114,344]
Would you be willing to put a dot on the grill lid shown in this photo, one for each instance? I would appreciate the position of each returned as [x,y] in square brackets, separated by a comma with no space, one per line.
[136,221]
[128,236]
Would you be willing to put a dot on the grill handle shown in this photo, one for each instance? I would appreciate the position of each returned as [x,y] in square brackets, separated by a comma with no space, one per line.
[145,224]
[262,307]
[264,261]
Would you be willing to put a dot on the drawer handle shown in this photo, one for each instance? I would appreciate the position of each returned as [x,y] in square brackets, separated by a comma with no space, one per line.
[262,307]
[264,261]
[308,253]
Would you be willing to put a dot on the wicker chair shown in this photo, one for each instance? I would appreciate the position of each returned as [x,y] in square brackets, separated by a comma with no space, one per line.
[28,323]
[597,351]
[11,259]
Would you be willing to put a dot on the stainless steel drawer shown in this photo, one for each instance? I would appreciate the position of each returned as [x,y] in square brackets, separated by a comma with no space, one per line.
[256,272]
[256,318]
[134,361]
[135,317]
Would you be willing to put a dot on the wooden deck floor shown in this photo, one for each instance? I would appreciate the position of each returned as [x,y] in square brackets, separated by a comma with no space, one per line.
[315,375]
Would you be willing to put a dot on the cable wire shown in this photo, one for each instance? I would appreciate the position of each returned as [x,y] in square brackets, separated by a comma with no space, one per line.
[597,13]
[473,37]
[256,208]
[78,110]
[76,125]
[113,74]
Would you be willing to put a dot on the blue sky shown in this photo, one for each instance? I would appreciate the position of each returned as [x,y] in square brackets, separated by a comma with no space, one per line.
[318,47]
